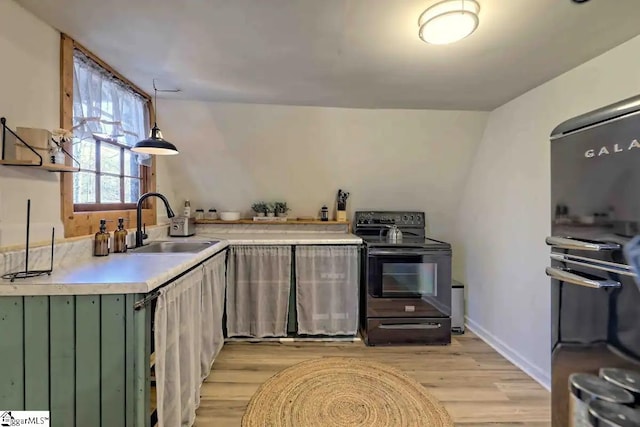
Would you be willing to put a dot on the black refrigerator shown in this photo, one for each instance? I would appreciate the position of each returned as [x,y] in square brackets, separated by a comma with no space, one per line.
[595,201]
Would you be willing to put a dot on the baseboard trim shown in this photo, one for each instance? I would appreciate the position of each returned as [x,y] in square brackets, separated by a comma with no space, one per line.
[510,354]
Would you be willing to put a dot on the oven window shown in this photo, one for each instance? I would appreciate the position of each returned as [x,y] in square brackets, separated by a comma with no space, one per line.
[409,279]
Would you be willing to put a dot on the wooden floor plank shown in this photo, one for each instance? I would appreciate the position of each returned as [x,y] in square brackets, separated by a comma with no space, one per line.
[478,387]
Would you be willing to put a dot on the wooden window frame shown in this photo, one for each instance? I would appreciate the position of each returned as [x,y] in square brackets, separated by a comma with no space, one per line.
[88,207]
[80,223]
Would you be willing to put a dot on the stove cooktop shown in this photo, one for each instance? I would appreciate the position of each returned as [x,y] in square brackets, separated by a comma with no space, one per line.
[372,227]
[406,242]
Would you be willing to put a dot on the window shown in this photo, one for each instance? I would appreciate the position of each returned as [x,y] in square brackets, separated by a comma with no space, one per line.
[109,117]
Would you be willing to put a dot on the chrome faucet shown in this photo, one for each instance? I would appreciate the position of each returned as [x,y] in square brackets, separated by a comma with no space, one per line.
[141,235]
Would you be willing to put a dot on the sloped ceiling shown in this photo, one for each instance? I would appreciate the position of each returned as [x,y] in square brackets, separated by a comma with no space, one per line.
[340,53]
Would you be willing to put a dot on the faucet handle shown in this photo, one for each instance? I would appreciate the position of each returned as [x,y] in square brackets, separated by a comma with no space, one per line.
[144,231]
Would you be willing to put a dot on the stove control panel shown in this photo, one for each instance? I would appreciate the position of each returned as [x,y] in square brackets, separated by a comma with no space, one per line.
[400,218]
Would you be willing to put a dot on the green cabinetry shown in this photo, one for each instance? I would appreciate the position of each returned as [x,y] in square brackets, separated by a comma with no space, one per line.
[85,358]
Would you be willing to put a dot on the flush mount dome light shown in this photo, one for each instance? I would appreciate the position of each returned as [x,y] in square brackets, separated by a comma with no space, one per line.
[448,21]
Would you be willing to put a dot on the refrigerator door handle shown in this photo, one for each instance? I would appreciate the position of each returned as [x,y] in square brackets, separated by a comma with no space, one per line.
[572,277]
[596,264]
[581,245]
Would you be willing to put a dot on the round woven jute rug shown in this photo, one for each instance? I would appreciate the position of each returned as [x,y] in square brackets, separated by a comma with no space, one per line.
[338,391]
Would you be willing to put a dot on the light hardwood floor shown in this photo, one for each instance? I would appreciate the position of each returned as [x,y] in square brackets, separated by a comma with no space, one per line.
[477,385]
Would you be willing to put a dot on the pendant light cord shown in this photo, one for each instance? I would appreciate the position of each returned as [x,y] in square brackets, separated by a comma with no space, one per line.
[155,104]
[155,100]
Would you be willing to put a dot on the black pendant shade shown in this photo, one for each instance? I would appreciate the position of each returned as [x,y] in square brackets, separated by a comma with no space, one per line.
[155,144]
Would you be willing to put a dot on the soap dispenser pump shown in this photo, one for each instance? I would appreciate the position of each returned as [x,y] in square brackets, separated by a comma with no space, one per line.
[120,238]
[101,240]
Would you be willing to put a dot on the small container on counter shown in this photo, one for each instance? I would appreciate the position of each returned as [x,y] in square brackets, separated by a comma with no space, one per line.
[101,240]
[324,213]
[586,388]
[199,213]
[607,414]
[120,238]
[628,380]
[212,214]
[187,209]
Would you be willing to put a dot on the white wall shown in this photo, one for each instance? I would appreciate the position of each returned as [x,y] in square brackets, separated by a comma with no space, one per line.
[29,97]
[504,215]
[232,155]
[164,185]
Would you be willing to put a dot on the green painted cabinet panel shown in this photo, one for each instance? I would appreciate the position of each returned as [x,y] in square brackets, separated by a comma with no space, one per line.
[87,385]
[84,358]
[11,349]
[130,351]
[142,333]
[62,345]
[36,353]
[113,367]
[292,322]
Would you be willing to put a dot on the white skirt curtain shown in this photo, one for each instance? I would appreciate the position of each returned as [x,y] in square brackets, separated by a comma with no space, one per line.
[258,288]
[213,289]
[327,290]
[105,106]
[177,347]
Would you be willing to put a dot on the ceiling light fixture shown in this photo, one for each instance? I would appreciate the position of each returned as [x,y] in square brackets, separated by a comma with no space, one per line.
[448,21]
[156,144]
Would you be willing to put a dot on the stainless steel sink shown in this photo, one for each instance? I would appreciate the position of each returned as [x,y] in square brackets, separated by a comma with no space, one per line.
[174,247]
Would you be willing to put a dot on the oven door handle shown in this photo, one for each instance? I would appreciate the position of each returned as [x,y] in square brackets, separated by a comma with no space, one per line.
[405,252]
[581,245]
[412,326]
[571,276]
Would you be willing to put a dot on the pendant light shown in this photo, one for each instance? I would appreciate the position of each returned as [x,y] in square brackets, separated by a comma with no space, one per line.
[156,144]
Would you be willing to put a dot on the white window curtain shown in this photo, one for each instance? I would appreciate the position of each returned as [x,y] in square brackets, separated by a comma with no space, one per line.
[327,290]
[177,348]
[104,106]
[213,290]
[258,288]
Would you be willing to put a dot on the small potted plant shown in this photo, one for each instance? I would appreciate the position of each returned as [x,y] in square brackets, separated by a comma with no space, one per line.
[270,209]
[281,209]
[58,140]
[260,208]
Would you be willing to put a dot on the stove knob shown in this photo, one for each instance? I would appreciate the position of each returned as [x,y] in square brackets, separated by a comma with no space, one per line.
[405,218]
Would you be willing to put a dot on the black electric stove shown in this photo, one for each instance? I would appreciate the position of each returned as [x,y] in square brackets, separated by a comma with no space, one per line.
[406,283]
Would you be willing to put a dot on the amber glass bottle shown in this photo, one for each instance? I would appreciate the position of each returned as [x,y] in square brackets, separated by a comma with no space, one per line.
[120,238]
[101,240]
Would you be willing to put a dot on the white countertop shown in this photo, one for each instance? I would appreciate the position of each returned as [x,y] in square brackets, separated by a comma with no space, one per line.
[144,272]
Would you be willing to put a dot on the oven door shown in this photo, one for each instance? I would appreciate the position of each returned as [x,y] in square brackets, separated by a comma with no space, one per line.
[411,273]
